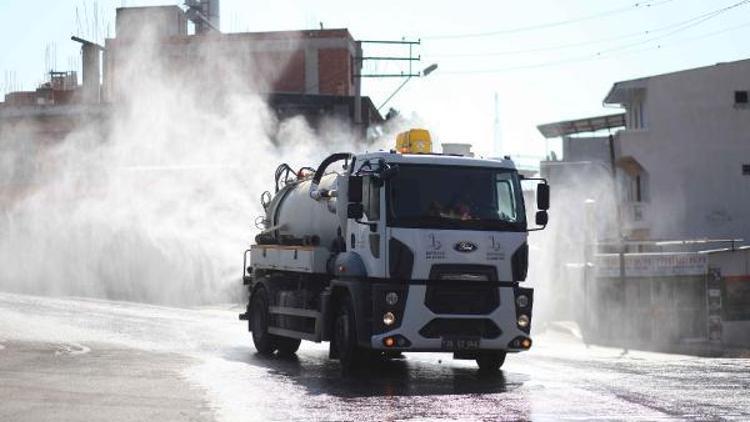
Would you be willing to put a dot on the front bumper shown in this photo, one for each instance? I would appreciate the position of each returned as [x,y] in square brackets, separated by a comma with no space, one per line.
[422,329]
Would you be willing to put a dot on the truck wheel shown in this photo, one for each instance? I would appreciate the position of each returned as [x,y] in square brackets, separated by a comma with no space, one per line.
[345,335]
[287,346]
[265,343]
[490,362]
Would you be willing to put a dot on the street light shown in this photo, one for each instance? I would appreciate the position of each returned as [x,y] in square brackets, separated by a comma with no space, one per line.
[427,70]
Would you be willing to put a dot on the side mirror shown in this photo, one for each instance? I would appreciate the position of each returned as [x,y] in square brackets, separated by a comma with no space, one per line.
[542,218]
[354,193]
[390,172]
[355,210]
[542,197]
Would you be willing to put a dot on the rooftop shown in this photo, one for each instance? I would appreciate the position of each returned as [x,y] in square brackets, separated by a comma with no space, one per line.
[438,159]
[622,90]
[585,125]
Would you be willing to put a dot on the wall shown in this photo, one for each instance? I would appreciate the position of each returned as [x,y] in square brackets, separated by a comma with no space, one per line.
[161,21]
[666,297]
[735,272]
[335,70]
[693,146]
[292,62]
[586,148]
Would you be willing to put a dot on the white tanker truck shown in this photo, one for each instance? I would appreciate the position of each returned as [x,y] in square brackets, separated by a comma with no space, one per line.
[397,251]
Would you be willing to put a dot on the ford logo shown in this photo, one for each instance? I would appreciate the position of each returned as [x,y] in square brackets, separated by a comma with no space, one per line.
[465,246]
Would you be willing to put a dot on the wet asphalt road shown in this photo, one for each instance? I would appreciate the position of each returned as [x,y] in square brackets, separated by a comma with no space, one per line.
[82,359]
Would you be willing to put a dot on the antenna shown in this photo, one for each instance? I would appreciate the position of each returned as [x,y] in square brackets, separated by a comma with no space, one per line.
[497,140]
[96,22]
[78,23]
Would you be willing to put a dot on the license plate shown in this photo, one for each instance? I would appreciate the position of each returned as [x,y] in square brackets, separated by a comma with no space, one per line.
[460,343]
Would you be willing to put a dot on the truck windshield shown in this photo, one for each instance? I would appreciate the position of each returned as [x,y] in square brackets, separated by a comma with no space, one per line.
[450,197]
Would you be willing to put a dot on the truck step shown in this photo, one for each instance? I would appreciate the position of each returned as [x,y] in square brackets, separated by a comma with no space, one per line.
[299,313]
[292,333]
[282,310]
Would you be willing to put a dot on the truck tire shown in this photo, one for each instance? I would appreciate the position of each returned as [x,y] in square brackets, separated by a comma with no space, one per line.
[490,362]
[265,343]
[345,335]
[287,346]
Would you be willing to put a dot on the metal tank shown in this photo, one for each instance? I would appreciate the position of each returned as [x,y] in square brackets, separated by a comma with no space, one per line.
[293,217]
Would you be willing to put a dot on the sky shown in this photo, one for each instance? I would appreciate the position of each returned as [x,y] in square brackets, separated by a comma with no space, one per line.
[544,60]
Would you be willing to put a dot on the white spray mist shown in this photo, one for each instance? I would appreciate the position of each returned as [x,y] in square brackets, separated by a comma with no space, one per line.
[156,203]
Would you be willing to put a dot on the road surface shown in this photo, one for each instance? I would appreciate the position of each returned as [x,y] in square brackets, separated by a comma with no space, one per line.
[87,359]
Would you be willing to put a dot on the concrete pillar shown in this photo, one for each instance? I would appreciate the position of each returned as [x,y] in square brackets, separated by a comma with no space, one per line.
[91,73]
[312,77]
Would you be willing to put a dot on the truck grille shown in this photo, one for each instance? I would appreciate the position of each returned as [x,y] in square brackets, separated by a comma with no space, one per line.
[462,298]
[460,290]
[474,327]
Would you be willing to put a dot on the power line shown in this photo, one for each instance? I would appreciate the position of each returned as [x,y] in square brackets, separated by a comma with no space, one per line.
[632,7]
[591,57]
[539,49]
[690,23]
[679,25]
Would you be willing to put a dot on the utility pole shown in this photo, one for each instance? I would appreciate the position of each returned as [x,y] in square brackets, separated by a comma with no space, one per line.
[360,58]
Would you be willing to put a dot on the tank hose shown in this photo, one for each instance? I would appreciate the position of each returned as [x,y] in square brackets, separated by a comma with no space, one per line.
[316,193]
[282,175]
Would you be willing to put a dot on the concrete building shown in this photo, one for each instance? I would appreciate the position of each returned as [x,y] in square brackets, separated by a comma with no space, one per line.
[676,166]
[312,62]
[685,151]
[309,73]
[682,162]
[61,89]
[586,172]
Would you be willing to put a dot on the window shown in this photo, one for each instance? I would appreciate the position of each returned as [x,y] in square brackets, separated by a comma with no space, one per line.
[746,169]
[636,115]
[371,197]
[635,186]
[633,180]
[740,98]
[638,188]
[505,197]
[448,197]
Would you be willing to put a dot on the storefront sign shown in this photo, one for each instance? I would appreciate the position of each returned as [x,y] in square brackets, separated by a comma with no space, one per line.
[652,264]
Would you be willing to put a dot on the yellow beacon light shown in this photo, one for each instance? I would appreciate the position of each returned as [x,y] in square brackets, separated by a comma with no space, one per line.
[414,141]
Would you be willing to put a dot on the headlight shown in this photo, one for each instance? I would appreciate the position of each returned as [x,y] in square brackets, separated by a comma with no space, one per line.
[391,298]
[389,318]
[523,321]
[522,301]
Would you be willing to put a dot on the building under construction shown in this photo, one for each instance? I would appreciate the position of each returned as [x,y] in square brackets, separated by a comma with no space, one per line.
[313,73]
[309,73]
